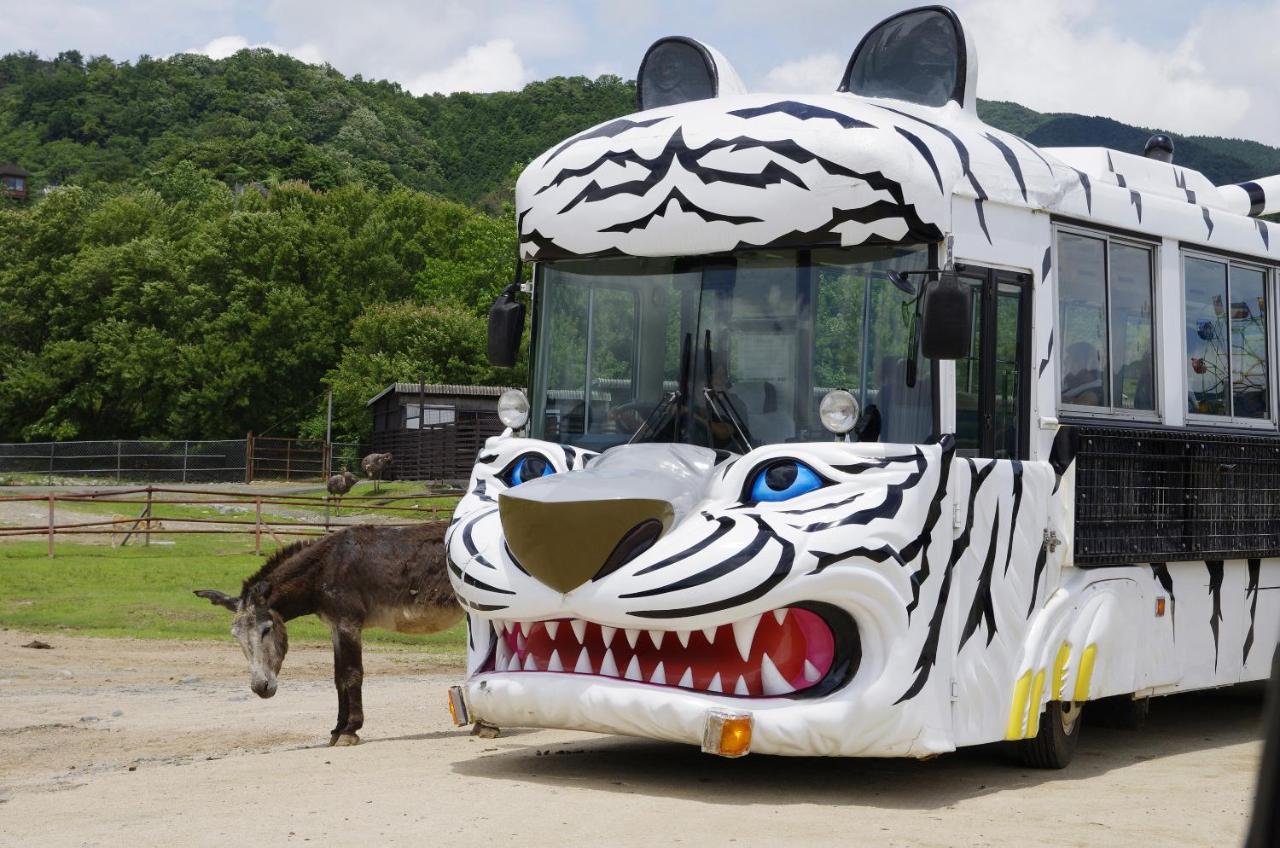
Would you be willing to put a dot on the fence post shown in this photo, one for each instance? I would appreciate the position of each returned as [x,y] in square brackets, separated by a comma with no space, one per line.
[248,457]
[119,450]
[186,445]
[257,525]
[147,532]
[51,497]
[52,446]
[288,457]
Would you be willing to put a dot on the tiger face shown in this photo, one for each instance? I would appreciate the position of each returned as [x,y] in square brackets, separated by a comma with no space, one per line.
[782,578]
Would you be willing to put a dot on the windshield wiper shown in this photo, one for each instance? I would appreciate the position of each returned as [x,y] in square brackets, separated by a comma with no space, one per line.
[720,402]
[657,419]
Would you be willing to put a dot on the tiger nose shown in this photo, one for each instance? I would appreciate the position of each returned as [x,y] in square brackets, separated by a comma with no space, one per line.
[563,544]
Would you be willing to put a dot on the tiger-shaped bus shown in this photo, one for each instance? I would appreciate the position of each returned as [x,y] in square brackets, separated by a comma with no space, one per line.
[857,427]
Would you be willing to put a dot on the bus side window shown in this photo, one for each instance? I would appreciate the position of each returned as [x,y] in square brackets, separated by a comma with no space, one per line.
[1106,324]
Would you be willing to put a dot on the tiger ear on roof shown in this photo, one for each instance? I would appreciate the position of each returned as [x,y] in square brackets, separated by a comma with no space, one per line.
[677,69]
[923,56]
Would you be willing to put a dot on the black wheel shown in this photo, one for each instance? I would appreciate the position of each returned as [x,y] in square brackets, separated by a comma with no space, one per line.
[1122,712]
[1055,744]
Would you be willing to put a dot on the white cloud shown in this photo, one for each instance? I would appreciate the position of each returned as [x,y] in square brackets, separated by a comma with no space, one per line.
[1052,55]
[227,45]
[820,73]
[445,45]
[492,66]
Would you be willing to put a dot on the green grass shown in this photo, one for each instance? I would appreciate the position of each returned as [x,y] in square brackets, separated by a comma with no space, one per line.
[146,591]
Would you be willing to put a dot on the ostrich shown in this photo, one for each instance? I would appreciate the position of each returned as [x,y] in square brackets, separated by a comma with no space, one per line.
[374,465]
[340,484]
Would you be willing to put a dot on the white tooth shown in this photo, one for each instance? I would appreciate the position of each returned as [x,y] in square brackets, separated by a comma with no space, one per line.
[710,633]
[715,685]
[811,672]
[659,676]
[656,637]
[683,636]
[579,629]
[553,627]
[514,665]
[502,627]
[606,633]
[529,664]
[740,688]
[553,664]
[584,663]
[500,659]
[780,616]
[686,679]
[521,644]
[772,680]
[523,627]
[609,667]
[744,632]
[633,670]
[632,636]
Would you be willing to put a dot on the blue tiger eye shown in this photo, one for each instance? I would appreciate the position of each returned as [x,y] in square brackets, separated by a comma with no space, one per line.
[529,468]
[784,480]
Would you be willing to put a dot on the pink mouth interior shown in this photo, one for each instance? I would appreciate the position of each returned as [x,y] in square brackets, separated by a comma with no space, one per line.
[790,650]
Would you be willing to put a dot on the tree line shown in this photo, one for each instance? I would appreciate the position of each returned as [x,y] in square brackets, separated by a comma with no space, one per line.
[215,244]
[184,309]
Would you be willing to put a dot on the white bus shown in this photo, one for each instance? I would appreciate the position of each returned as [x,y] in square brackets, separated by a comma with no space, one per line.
[858,427]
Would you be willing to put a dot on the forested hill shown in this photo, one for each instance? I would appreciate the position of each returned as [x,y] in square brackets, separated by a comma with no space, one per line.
[262,117]
[229,239]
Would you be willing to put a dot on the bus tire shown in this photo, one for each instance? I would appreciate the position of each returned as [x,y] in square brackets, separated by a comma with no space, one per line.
[1055,744]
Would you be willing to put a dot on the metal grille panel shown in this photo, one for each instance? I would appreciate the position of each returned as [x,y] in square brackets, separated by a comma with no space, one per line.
[1167,495]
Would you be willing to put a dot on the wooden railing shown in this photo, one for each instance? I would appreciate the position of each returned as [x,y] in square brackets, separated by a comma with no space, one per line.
[145,522]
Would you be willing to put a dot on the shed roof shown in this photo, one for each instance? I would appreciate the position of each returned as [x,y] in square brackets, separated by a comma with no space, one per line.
[11,170]
[438,390]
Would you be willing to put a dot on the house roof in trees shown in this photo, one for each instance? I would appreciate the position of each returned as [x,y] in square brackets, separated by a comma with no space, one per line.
[11,170]
[438,390]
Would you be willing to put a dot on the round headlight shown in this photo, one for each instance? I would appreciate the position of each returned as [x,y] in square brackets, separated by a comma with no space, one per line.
[513,409]
[838,411]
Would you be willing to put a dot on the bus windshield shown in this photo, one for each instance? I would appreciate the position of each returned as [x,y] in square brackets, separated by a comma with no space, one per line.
[728,352]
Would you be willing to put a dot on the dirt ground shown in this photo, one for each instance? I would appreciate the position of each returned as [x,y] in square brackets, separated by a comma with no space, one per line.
[132,742]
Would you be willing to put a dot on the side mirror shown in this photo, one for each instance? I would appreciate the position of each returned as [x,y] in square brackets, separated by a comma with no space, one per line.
[506,324]
[946,312]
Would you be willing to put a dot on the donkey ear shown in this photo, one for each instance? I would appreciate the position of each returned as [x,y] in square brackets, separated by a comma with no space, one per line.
[219,599]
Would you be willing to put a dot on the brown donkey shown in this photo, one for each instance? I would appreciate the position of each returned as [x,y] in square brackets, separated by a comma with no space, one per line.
[395,578]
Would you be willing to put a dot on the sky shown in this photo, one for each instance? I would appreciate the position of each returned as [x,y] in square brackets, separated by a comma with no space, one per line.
[1189,67]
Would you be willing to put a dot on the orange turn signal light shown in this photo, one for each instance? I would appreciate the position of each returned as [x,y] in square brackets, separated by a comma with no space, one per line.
[727,734]
[1160,602]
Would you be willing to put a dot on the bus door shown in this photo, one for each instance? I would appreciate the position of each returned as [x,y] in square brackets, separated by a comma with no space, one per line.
[993,383]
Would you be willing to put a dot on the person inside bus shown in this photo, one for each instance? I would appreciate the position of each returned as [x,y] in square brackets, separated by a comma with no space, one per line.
[1082,375]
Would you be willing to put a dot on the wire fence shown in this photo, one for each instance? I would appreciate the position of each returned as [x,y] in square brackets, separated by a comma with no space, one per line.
[125,529]
[180,461]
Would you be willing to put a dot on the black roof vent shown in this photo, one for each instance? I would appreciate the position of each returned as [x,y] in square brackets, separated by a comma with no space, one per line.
[1159,147]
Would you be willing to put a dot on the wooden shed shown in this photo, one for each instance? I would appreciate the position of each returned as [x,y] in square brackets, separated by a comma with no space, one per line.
[434,431]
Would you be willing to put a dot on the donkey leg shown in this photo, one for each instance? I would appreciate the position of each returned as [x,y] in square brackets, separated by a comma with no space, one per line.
[351,678]
[343,701]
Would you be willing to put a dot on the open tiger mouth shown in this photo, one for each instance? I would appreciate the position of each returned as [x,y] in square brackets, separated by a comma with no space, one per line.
[788,651]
